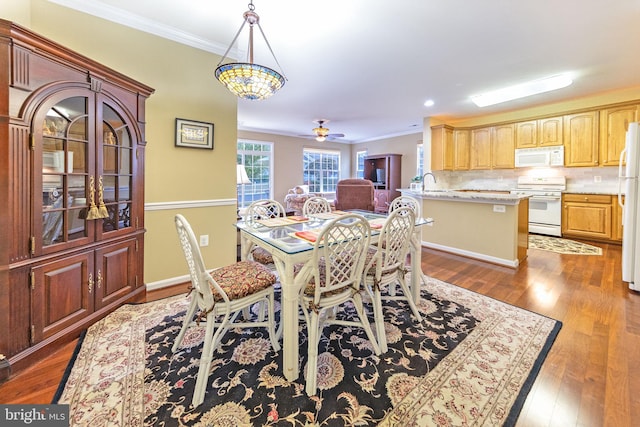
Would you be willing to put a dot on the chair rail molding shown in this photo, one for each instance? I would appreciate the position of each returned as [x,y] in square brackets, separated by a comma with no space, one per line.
[187,204]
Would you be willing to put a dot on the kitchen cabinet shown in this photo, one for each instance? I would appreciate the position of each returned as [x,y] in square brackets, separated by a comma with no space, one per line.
[581,139]
[461,140]
[614,123]
[480,149]
[385,170]
[539,133]
[616,227]
[587,216]
[503,147]
[492,147]
[442,148]
[72,195]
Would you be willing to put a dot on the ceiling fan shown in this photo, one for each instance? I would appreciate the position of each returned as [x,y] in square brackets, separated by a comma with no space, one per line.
[321,133]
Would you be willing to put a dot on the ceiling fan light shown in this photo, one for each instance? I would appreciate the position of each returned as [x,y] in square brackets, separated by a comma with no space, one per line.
[321,138]
[321,131]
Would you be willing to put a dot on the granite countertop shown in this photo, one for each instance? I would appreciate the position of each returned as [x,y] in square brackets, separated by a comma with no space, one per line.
[606,190]
[468,196]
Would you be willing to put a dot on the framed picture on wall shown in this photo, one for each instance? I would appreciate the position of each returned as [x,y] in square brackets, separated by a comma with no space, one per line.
[194,134]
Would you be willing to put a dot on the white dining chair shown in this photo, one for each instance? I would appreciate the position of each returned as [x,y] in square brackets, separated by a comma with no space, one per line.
[415,205]
[409,201]
[219,296]
[263,209]
[315,205]
[386,266]
[332,277]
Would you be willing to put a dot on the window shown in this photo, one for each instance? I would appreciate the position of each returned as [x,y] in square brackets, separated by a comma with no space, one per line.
[360,155]
[257,158]
[420,156]
[321,170]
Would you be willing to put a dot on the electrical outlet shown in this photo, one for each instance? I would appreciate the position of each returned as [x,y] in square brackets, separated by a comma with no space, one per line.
[597,178]
[204,240]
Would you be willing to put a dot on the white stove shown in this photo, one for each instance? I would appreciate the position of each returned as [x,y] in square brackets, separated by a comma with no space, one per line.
[545,203]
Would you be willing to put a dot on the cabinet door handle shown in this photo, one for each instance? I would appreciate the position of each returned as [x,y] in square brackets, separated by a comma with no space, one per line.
[90,283]
[99,277]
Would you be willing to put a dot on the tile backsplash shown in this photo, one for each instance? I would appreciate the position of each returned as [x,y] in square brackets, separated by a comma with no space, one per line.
[598,179]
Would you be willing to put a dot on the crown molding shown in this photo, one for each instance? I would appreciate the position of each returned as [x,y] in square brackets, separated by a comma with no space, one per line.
[119,16]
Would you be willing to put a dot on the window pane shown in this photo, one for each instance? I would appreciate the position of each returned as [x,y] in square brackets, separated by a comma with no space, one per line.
[360,155]
[420,153]
[321,170]
[257,158]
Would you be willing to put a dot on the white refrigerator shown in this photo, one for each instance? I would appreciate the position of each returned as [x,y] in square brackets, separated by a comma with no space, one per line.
[628,185]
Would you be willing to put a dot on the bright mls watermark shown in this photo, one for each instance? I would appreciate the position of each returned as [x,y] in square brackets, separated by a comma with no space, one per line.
[34,415]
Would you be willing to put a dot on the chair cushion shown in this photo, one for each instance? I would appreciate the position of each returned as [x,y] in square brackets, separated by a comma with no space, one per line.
[371,272]
[310,287]
[242,278]
[262,256]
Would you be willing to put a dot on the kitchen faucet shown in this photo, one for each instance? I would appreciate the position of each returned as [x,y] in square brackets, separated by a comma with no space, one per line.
[424,176]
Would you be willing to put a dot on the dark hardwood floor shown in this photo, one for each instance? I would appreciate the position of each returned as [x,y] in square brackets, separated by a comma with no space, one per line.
[591,376]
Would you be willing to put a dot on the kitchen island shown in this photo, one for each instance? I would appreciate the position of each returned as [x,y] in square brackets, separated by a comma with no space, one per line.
[490,226]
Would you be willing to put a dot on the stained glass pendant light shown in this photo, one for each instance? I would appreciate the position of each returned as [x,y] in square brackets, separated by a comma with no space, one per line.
[246,79]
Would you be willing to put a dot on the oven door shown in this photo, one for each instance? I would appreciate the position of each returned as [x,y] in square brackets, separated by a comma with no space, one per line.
[545,215]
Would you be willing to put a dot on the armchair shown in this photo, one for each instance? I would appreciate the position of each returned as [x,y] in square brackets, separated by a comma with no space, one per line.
[355,194]
[294,200]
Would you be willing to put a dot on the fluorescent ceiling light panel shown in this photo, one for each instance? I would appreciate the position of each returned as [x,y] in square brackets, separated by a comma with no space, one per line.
[522,90]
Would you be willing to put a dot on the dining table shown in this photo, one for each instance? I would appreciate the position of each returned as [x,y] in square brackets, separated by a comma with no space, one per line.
[290,241]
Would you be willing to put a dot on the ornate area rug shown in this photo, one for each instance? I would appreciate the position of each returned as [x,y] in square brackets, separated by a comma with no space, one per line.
[471,361]
[562,246]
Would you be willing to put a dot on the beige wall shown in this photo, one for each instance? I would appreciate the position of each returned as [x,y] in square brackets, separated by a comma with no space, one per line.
[185,88]
[473,229]
[288,158]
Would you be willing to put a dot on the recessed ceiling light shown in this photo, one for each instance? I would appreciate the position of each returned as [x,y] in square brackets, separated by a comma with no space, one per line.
[429,103]
[522,90]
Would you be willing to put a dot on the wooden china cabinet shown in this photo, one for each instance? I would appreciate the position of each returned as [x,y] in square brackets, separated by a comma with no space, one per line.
[385,171]
[72,152]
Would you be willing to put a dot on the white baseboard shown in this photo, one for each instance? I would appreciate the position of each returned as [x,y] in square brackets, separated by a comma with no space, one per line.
[513,263]
[166,283]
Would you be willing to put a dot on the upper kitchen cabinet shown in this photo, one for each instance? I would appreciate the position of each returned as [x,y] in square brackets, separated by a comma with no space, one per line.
[461,141]
[614,123]
[442,148]
[480,149]
[581,139]
[492,147]
[539,133]
[503,147]
[71,192]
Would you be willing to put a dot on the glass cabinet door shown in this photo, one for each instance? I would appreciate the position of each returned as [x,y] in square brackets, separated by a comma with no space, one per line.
[64,157]
[116,179]
[87,156]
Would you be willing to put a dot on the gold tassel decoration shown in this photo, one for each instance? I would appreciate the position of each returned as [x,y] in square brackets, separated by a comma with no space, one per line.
[102,209]
[93,209]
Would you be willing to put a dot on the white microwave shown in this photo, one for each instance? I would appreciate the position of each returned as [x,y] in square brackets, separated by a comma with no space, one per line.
[542,156]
